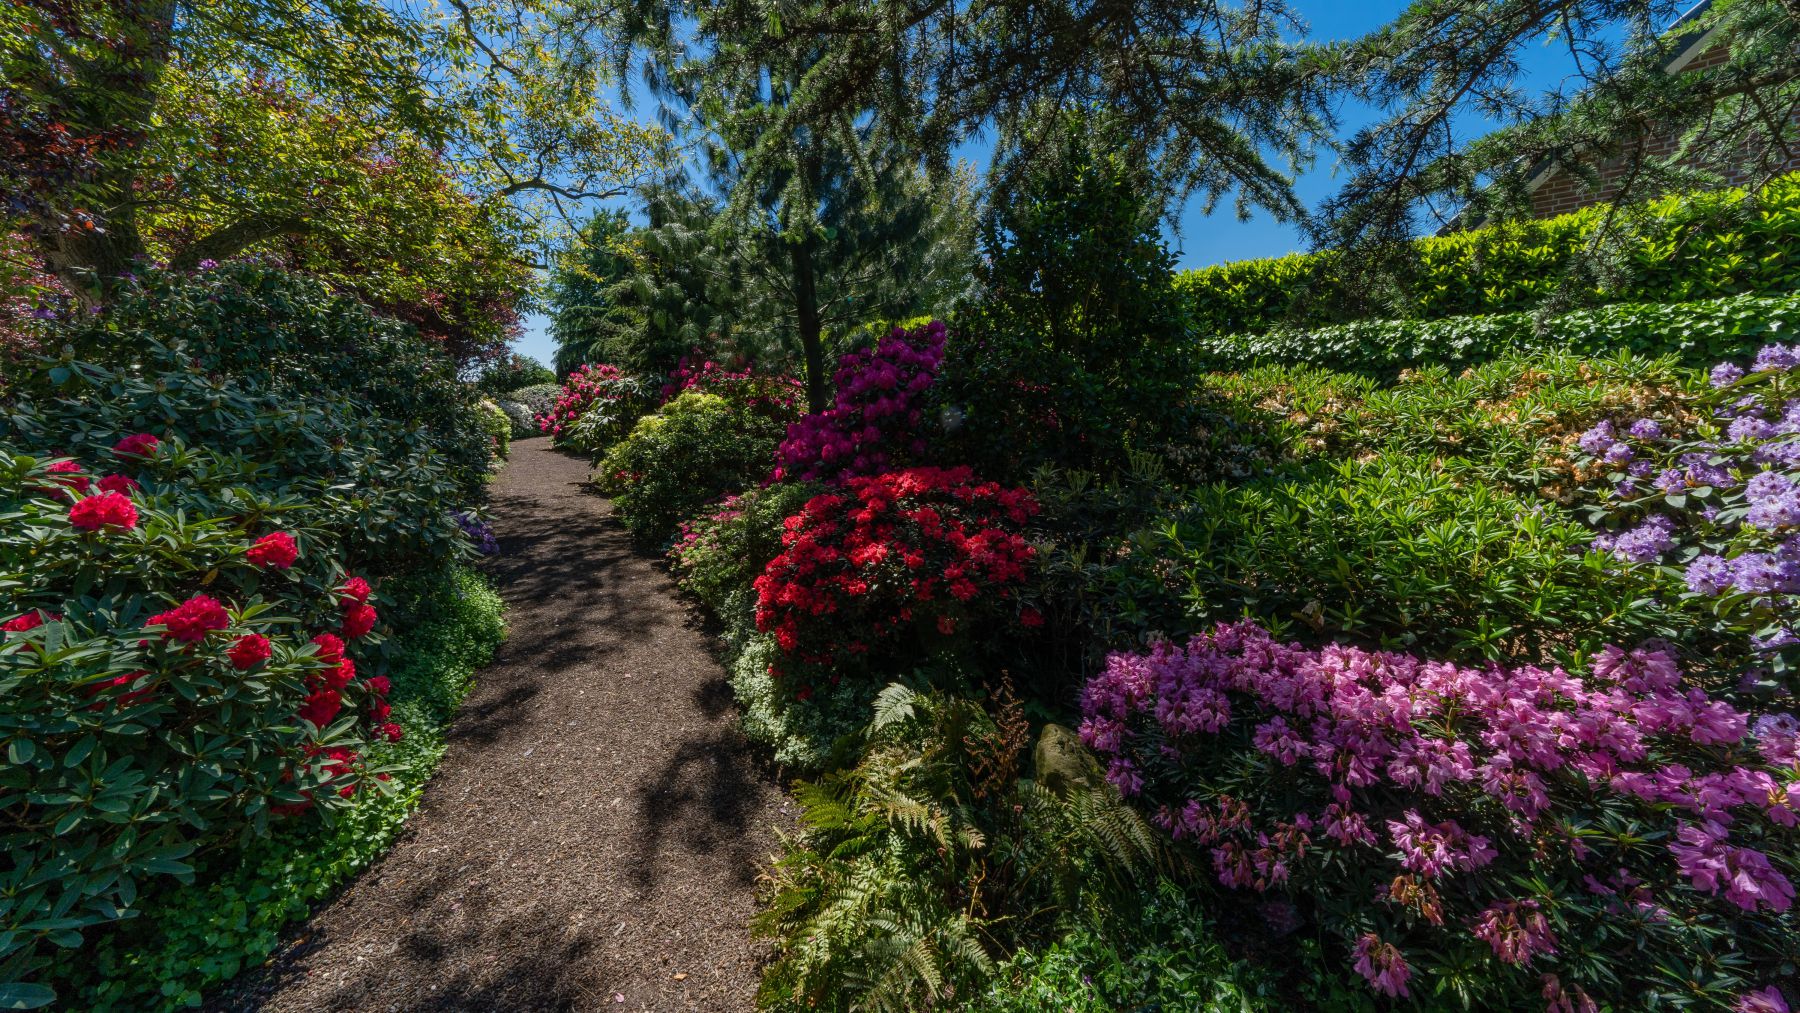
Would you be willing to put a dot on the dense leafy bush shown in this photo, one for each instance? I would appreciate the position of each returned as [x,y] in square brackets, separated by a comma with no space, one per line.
[1485,833]
[1390,549]
[192,937]
[1514,419]
[876,422]
[498,426]
[500,377]
[397,440]
[929,860]
[910,563]
[288,339]
[173,673]
[1076,347]
[1693,247]
[1694,332]
[804,738]
[690,452]
[1703,509]
[719,553]
[1157,951]
[597,406]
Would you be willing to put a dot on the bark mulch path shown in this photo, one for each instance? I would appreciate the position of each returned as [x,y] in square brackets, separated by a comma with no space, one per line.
[592,839]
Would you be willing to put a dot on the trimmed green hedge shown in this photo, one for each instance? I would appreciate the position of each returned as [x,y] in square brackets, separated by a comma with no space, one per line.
[1698,333]
[1692,247]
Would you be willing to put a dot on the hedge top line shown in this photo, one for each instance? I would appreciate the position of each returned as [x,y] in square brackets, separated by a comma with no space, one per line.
[1677,249]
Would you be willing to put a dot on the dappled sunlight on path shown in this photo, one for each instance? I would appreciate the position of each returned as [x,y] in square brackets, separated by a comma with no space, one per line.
[591,840]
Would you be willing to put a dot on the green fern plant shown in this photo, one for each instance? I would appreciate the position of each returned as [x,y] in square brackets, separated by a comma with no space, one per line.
[920,867]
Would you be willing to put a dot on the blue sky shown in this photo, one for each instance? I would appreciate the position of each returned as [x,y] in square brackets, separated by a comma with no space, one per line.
[1201,240]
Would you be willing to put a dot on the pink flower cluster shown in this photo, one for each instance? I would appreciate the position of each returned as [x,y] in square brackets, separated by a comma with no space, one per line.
[1518,751]
[586,385]
[874,422]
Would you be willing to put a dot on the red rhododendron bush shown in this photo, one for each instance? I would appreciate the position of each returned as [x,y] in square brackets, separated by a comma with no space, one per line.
[1478,832]
[179,658]
[893,566]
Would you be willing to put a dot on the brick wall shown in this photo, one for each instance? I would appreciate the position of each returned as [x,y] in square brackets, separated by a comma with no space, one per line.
[1562,192]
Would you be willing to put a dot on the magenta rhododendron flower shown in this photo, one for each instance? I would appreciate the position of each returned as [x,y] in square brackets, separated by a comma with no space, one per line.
[874,422]
[120,484]
[1517,930]
[1382,964]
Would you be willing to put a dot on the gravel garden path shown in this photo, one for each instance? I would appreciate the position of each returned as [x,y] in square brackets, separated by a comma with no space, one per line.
[592,839]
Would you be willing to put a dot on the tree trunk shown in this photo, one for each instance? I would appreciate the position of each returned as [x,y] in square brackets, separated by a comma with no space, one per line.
[111,96]
[806,311]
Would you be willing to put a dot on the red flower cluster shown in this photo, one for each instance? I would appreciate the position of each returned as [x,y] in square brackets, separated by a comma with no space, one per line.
[137,445]
[192,620]
[250,650]
[866,569]
[72,477]
[276,550]
[359,615]
[120,484]
[109,509]
[586,385]
[28,621]
[768,395]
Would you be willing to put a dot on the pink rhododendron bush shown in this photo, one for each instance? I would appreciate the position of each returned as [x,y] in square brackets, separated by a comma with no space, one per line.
[179,665]
[894,566]
[597,407]
[874,425]
[1612,837]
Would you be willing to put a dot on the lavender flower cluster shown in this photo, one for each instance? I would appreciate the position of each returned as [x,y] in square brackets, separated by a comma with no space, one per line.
[479,532]
[1716,501]
[1475,775]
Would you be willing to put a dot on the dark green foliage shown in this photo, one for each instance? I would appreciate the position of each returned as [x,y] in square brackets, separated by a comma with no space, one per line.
[311,388]
[1076,348]
[192,938]
[499,378]
[1156,951]
[725,548]
[692,451]
[1697,333]
[928,860]
[1393,551]
[1687,248]
[1512,419]
[586,318]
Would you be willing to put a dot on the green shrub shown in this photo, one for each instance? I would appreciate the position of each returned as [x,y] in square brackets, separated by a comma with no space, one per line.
[1697,333]
[1692,247]
[730,544]
[929,860]
[1513,419]
[287,337]
[1077,348]
[801,737]
[695,449]
[1157,951]
[1393,550]
[510,372]
[498,427]
[166,682]
[192,938]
